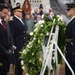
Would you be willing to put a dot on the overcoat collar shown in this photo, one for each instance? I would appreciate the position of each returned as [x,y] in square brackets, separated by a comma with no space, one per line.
[71,19]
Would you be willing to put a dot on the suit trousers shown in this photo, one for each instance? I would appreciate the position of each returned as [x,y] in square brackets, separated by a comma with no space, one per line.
[71,63]
[18,69]
[4,68]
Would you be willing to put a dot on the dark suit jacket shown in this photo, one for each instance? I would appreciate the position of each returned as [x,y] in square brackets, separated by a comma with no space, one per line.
[18,31]
[70,44]
[1,1]
[5,41]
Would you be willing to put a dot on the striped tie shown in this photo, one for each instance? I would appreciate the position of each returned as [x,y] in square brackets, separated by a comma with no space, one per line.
[3,24]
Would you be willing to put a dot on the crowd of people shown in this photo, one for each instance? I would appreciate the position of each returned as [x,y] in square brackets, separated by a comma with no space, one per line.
[15,28]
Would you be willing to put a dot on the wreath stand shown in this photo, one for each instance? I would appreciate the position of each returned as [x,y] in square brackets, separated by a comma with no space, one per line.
[50,52]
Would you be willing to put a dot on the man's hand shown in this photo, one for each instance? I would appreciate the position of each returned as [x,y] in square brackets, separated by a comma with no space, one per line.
[8,52]
[14,47]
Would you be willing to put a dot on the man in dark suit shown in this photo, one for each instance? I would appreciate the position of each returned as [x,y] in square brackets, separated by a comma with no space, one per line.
[18,29]
[8,4]
[70,38]
[1,1]
[6,42]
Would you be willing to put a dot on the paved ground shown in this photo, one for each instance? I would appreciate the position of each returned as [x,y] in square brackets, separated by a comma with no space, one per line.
[61,70]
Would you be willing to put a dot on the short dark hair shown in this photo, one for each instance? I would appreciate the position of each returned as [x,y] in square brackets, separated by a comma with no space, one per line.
[3,6]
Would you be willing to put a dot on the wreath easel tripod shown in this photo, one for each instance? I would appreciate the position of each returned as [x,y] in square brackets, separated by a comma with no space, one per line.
[51,48]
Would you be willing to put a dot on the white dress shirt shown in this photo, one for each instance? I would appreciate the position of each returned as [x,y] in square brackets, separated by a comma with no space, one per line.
[0,21]
[19,19]
[71,19]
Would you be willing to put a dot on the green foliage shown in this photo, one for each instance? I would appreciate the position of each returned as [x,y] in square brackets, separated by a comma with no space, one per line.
[31,54]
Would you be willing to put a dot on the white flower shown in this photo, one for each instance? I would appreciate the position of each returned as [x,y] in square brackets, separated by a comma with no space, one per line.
[54,21]
[32,53]
[34,38]
[27,74]
[37,25]
[35,29]
[23,67]
[29,45]
[24,51]
[30,61]
[40,59]
[60,17]
[40,22]
[31,33]
[22,62]
[38,41]
[41,34]
[47,34]
[42,16]
[42,25]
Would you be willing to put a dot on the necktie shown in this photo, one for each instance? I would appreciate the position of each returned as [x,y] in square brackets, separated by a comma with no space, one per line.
[3,24]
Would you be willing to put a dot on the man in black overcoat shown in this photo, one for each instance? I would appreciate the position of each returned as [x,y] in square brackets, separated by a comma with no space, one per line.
[18,29]
[70,38]
[6,42]
[8,4]
[1,1]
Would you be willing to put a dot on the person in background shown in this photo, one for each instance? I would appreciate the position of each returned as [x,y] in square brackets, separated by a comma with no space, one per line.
[8,4]
[30,25]
[39,18]
[18,30]
[1,1]
[32,18]
[51,13]
[36,12]
[6,42]
[41,10]
[18,4]
[8,17]
[70,39]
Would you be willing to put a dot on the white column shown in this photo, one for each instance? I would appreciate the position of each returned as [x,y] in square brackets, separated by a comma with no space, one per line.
[46,4]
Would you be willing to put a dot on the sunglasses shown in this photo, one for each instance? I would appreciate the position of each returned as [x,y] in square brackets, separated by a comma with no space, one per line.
[68,9]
